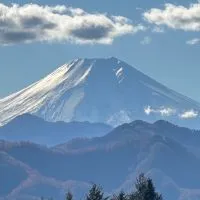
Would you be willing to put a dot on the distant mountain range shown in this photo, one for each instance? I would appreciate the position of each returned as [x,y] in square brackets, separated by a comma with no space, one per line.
[100,90]
[31,128]
[66,114]
[167,153]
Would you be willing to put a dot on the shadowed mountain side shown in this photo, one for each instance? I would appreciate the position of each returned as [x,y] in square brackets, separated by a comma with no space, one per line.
[112,161]
[31,128]
[136,130]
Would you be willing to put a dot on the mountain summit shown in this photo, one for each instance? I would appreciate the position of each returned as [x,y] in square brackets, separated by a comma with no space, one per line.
[95,90]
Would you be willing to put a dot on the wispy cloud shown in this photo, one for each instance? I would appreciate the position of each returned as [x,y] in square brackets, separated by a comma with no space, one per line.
[158,29]
[163,111]
[189,114]
[147,40]
[194,41]
[176,17]
[33,23]
[167,112]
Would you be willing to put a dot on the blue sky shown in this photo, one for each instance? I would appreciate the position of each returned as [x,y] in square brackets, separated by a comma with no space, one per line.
[170,57]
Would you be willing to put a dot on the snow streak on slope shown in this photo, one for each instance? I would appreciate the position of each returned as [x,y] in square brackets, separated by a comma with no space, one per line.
[95,90]
[49,89]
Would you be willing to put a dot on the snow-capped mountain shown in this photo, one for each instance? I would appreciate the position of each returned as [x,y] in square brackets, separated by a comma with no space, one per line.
[97,90]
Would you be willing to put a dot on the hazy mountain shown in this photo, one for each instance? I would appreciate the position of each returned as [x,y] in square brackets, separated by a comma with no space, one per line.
[27,127]
[113,161]
[98,90]
[19,181]
[137,129]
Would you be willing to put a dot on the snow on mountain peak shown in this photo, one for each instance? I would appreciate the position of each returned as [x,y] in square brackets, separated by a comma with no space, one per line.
[95,90]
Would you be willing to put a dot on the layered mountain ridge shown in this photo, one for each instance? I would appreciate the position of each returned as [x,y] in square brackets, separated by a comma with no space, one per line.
[31,128]
[96,90]
[160,150]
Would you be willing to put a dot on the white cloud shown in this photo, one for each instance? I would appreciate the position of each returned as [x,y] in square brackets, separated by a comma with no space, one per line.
[148,110]
[166,111]
[194,41]
[158,29]
[147,40]
[36,23]
[189,114]
[162,111]
[176,17]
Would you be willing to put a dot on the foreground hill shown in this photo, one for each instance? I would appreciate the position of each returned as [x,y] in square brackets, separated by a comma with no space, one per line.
[113,161]
[31,128]
[98,90]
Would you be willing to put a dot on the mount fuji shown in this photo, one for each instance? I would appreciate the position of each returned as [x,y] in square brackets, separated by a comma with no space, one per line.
[99,90]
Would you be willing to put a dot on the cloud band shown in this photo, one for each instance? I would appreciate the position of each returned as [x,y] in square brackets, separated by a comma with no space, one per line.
[34,23]
[176,17]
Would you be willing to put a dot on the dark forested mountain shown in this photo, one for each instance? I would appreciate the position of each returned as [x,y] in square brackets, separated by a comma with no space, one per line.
[31,128]
[137,129]
[160,150]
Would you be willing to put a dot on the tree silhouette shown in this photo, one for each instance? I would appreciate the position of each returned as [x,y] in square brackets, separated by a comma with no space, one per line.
[120,196]
[69,196]
[145,190]
[96,193]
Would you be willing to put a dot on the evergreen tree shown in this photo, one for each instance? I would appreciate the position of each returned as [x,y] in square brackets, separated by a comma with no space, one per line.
[145,190]
[69,196]
[120,196]
[96,193]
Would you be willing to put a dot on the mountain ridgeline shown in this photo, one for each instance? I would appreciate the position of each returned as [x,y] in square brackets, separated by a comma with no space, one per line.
[167,153]
[98,90]
[79,125]
[31,128]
